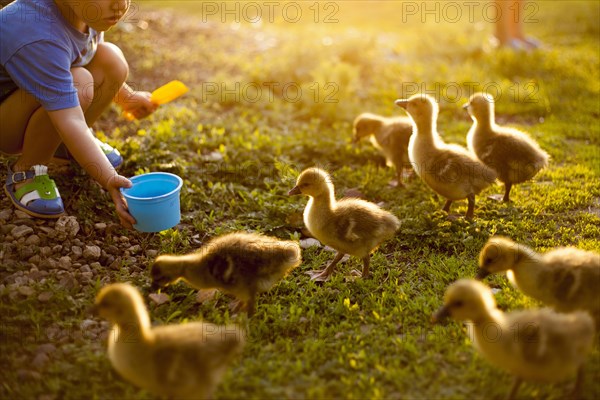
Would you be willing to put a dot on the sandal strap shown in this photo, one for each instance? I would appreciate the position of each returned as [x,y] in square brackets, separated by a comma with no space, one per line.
[19,176]
[42,187]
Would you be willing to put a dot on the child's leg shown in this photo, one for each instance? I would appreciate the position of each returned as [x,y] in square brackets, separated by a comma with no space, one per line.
[26,126]
[516,19]
[504,23]
[109,70]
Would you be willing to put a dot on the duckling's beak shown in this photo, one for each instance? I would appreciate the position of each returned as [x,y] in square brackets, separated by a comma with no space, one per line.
[482,274]
[466,106]
[295,190]
[440,315]
[401,103]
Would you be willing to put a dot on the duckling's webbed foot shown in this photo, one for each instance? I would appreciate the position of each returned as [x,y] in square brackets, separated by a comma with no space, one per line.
[323,275]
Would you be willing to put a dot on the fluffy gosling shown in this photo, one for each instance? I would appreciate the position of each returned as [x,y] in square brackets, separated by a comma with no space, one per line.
[566,279]
[514,156]
[350,226]
[390,136]
[449,169]
[172,361]
[240,264]
[537,345]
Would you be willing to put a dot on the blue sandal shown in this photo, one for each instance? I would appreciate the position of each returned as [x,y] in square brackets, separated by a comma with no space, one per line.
[38,198]
[112,154]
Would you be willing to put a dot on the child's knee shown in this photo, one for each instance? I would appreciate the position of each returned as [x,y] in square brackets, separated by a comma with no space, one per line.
[114,62]
[84,83]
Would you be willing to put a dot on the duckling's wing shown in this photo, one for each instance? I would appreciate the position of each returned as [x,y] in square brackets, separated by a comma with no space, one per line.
[454,164]
[357,220]
[572,279]
[193,356]
[554,342]
[518,156]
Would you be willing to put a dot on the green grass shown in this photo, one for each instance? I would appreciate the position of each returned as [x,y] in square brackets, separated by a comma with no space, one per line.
[360,339]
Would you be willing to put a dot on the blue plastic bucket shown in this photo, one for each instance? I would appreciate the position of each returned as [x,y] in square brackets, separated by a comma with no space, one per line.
[153,200]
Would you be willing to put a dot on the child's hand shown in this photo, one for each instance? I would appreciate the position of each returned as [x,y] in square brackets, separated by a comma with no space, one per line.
[113,186]
[138,104]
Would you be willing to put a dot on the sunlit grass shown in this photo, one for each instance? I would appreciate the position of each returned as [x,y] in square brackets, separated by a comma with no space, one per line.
[239,155]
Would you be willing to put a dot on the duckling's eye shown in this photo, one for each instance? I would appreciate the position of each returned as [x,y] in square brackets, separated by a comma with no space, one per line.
[488,260]
[457,304]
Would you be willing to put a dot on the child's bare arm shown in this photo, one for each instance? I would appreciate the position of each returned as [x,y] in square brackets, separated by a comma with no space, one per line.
[74,132]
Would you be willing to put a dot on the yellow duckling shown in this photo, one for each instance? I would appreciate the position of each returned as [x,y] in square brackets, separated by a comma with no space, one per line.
[351,226]
[566,279]
[240,264]
[511,153]
[448,169]
[390,136]
[537,345]
[173,361]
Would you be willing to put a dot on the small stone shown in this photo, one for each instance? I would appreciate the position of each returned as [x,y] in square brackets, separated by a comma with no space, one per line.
[40,360]
[20,231]
[69,283]
[5,214]
[33,240]
[100,226]
[115,265]
[22,215]
[46,348]
[92,252]
[64,263]
[48,263]
[95,265]
[112,249]
[205,295]
[76,251]
[45,251]
[26,291]
[87,276]
[87,324]
[24,374]
[35,259]
[85,268]
[67,224]
[134,249]
[159,298]
[151,253]
[310,242]
[45,296]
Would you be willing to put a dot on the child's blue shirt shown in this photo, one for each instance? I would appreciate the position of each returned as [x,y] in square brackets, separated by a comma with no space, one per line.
[38,48]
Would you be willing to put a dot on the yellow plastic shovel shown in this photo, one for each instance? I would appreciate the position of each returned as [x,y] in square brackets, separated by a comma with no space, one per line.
[164,94]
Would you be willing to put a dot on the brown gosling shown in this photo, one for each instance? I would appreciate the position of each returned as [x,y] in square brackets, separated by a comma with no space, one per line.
[450,170]
[171,361]
[514,156]
[390,136]
[537,345]
[566,279]
[350,226]
[240,264]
